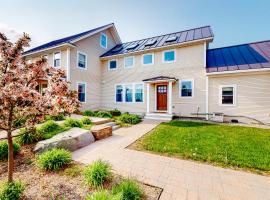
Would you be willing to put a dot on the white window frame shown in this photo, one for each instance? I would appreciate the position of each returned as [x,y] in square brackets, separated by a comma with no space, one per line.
[234,86]
[153,59]
[131,65]
[109,61]
[78,83]
[60,59]
[124,92]
[100,40]
[163,56]
[180,88]
[80,52]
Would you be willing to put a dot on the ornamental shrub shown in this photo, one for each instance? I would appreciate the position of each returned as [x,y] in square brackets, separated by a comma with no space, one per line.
[86,121]
[28,136]
[49,126]
[88,113]
[4,149]
[115,112]
[11,191]
[129,118]
[103,195]
[129,190]
[97,173]
[59,117]
[54,159]
[73,123]
[103,114]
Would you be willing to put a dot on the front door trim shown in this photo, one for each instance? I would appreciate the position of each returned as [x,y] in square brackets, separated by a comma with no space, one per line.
[157,84]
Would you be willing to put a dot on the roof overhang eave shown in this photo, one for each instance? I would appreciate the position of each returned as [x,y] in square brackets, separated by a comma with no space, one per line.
[237,71]
[208,39]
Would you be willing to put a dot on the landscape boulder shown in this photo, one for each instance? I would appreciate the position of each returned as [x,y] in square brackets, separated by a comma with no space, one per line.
[71,140]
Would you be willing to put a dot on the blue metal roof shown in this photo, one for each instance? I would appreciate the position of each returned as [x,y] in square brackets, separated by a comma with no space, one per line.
[64,40]
[239,57]
[162,40]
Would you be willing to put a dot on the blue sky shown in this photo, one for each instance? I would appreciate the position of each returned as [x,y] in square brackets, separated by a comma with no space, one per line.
[232,21]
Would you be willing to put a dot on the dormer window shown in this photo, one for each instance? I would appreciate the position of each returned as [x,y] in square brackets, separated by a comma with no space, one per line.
[103,40]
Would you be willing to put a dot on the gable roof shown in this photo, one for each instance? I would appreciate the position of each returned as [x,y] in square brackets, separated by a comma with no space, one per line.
[68,40]
[239,57]
[161,41]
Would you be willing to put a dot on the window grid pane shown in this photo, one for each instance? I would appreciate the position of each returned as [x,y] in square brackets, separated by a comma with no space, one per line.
[186,88]
[81,92]
[82,60]
[129,61]
[119,93]
[227,95]
[129,93]
[169,56]
[148,59]
[113,64]
[139,93]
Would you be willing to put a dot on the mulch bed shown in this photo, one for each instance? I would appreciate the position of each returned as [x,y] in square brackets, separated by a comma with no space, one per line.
[57,185]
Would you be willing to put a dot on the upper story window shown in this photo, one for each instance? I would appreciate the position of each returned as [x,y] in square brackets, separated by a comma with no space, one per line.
[82,60]
[129,62]
[169,56]
[148,59]
[186,88]
[57,59]
[227,95]
[81,92]
[103,40]
[112,64]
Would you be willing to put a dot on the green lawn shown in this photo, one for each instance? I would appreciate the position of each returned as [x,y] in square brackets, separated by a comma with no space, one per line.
[225,145]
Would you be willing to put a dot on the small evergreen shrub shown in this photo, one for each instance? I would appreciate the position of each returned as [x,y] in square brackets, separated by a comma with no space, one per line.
[86,121]
[28,136]
[73,123]
[129,189]
[88,113]
[96,173]
[115,112]
[49,126]
[103,114]
[11,191]
[4,149]
[54,159]
[20,122]
[59,117]
[103,195]
[129,118]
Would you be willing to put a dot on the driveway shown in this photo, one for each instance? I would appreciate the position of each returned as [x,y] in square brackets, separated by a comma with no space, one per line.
[180,179]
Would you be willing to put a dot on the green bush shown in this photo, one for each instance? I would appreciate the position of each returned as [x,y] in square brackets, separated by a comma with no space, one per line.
[59,117]
[28,136]
[49,126]
[11,191]
[88,113]
[96,173]
[4,149]
[115,112]
[129,118]
[129,190]
[20,122]
[103,195]
[73,123]
[86,121]
[103,114]
[54,159]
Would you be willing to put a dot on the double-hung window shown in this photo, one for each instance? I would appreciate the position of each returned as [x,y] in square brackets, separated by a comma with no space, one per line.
[57,59]
[227,95]
[82,60]
[138,92]
[82,92]
[148,59]
[112,64]
[186,88]
[119,93]
[129,62]
[169,56]
[103,40]
[129,93]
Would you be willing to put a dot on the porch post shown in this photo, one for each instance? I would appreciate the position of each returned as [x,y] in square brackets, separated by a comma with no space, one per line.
[147,98]
[170,98]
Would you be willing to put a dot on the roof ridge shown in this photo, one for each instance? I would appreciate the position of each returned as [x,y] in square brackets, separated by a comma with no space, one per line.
[167,34]
[237,45]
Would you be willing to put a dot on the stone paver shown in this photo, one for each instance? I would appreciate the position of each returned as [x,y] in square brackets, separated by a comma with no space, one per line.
[180,179]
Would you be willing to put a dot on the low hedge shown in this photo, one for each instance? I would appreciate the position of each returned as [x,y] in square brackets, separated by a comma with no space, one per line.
[4,149]
[59,117]
[54,159]
[129,118]
[86,121]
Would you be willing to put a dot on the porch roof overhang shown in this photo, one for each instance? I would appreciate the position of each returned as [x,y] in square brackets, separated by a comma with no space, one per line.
[159,79]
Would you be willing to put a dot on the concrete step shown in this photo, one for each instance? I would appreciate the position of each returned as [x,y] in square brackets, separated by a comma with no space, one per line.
[158,116]
[116,127]
[110,124]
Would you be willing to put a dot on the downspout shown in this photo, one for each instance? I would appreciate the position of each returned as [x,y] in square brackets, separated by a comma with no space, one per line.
[206,84]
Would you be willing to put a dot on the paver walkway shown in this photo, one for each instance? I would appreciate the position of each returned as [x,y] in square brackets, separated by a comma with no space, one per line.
[180,179]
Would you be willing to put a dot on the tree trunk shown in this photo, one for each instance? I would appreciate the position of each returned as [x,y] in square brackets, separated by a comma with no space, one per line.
[10,157]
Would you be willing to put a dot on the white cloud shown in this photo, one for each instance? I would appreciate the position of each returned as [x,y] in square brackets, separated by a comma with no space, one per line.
[10,32]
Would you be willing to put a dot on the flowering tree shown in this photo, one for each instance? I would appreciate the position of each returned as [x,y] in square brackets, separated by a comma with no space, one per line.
[19,98]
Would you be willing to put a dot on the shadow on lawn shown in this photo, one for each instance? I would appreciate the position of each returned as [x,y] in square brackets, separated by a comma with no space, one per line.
[178,123]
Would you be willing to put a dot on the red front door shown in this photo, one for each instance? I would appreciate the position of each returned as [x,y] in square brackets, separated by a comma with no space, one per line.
[161,97]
